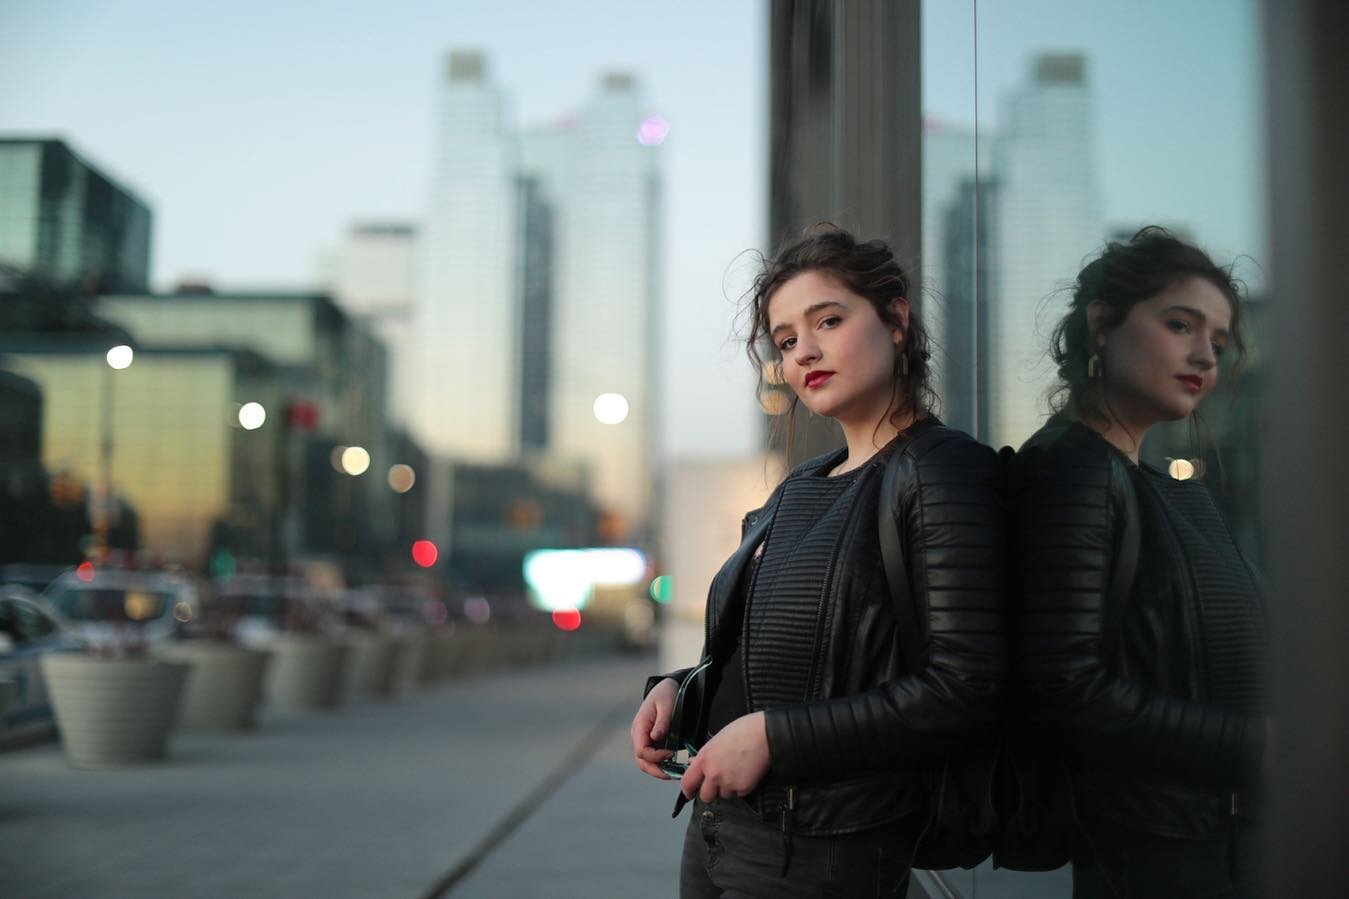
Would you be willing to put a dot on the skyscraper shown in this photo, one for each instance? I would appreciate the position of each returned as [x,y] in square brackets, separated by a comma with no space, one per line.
[1046,220]
[464,368]
[64,221]
[601,185]
[955,264]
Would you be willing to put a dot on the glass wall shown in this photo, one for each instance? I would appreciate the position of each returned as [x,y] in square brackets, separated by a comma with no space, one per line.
[1050,128]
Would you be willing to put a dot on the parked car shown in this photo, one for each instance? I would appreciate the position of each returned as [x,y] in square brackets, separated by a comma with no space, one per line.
[29,628]
[263,606]
[117,609]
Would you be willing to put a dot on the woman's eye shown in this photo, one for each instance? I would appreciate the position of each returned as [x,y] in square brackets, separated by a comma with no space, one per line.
[787,344]
[1218,349]
[830,321]
[1180,327]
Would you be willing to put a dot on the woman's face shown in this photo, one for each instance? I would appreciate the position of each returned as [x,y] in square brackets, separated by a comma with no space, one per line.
[1163,358]
[837,354]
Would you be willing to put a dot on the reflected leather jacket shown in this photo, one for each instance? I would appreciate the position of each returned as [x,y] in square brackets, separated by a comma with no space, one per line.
[847,757]
[1126,682]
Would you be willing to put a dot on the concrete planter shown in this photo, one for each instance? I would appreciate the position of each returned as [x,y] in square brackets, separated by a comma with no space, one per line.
[373,664]
[411,659]
[225,685]
[306,671]
[114,712]
[443,658]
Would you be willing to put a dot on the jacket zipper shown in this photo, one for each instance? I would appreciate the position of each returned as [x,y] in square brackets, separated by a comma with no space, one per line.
[787,809]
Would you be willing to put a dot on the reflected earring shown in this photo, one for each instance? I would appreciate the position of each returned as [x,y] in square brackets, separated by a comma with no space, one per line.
[1094,366]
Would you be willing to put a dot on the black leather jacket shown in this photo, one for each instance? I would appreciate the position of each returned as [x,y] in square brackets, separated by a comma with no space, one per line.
[1123,680]
[847,757]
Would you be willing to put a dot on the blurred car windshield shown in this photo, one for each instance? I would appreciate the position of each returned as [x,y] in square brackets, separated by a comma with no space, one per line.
[112,604]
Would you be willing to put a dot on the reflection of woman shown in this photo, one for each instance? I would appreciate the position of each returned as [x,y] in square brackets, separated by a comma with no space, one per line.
[1143,633]
[813,725]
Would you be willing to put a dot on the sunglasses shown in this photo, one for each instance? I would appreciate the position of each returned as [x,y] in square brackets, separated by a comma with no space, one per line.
[683,719]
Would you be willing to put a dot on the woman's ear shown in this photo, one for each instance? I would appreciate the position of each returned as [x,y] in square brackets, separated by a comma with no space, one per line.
[899,308]
[1098,314]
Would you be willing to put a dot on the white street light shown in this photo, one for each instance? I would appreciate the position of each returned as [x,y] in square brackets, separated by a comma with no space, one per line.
[611,408]
[120,356]
[355,460]
[251,416]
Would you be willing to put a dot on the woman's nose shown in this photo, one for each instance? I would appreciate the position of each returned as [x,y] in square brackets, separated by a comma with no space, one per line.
[805,352]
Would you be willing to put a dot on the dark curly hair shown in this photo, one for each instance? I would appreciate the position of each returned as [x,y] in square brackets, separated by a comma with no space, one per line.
[1124,275]
[868,269]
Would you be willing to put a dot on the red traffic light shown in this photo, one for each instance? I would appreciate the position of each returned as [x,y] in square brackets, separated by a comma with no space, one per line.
[302,415]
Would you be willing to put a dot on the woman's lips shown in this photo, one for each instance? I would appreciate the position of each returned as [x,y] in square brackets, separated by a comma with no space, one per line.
[1193,383]
[817,378]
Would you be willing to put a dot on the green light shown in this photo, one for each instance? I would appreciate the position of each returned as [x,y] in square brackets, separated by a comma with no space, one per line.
[661,588]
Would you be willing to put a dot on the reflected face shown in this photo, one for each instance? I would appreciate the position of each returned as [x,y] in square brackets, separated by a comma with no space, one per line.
[1163,358]
[837,354]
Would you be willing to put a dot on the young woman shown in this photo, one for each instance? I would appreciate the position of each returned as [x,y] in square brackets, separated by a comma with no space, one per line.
[1141,640]
[813,727]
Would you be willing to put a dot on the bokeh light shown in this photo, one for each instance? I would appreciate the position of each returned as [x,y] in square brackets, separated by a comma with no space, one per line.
[775,402]
[401,478]
[182,612]
[1181,469]
[662,588]
[335,458]
[425,553]
[85,571]
[355,460]
[611,408]
[120,356]
[652,131]
[251,416]
[567,619]
[477,609]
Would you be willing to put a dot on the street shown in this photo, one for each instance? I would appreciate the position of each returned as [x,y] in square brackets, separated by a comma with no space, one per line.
[403,798]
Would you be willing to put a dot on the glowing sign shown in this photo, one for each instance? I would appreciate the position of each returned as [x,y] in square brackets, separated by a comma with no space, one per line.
[563,579]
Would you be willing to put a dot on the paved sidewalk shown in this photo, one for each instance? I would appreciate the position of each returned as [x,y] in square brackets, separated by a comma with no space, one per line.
[377,799]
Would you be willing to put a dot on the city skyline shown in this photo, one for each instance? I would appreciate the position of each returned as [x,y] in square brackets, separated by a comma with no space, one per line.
[242,176]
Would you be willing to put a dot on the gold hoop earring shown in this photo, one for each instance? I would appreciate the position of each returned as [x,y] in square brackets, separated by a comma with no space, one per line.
[1094,366]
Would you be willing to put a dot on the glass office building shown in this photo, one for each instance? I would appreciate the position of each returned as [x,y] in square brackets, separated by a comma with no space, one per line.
[66,222]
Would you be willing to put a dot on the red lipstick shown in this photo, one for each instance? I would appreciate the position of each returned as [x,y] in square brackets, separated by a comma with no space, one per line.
[817,378]
[1193,383]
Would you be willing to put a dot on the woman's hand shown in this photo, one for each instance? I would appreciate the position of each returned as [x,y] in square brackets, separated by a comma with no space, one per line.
[732,763]
[649,727]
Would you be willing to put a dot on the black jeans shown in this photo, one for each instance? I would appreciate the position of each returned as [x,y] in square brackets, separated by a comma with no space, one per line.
[1118,862]
[730,852]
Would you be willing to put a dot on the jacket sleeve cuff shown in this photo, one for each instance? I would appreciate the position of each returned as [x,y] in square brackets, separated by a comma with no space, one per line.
[786,763]
[654,679]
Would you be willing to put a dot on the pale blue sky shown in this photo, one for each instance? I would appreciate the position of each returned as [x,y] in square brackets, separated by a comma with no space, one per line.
[259,131]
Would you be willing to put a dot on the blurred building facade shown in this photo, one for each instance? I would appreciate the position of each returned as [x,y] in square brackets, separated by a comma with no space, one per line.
[465,320]
[595,275]
[68,223]
[175,452]
[846,145]
[372,276]
[322,382]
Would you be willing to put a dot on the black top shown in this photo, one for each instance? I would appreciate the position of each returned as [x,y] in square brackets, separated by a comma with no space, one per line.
[1229,607]
[788,574]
